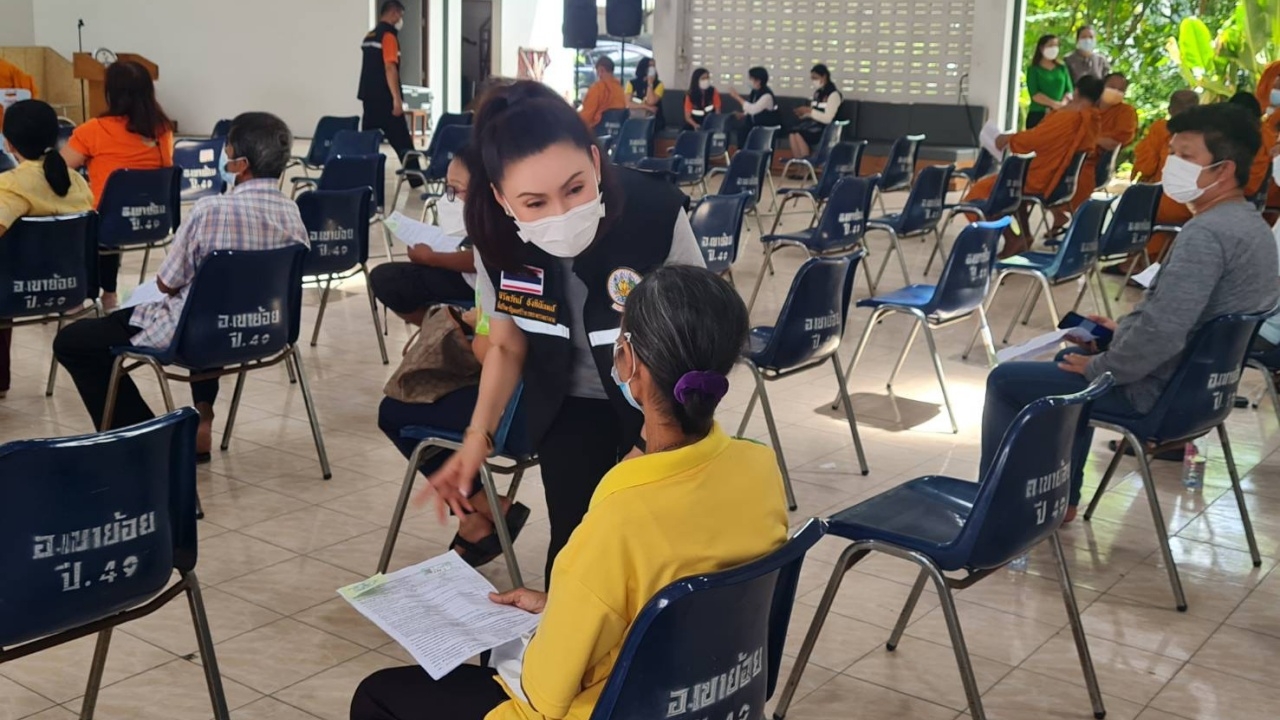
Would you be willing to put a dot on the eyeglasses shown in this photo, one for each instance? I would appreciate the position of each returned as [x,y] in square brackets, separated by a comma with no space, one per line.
[450,193]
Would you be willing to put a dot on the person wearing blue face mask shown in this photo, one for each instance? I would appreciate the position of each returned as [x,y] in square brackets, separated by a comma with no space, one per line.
[1085,60]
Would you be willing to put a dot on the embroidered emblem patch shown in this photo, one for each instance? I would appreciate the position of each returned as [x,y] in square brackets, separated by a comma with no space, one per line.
[620,284]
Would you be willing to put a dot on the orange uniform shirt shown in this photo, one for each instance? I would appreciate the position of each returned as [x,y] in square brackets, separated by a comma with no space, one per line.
[1118,123]
[390,49]
[109,146]
[13,78]
[601,96]
[1055,140]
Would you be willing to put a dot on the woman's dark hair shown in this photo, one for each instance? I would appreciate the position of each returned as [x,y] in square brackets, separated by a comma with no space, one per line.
[760,74]
[132,95]
[1039,55]
[515,122]
[685,319]
[1090,88]
[695,92]
[642,68]
[31,127]
[823,72]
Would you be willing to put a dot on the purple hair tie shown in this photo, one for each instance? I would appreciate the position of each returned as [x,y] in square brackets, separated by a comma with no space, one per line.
[712,384]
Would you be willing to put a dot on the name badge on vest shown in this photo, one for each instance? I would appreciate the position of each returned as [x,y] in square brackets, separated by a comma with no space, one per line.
[520,296]
[620,284]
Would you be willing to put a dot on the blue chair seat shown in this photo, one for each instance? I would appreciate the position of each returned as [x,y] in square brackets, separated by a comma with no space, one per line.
[1028,261]
[917,295]
[422,432]
[927,513]
[304,180]
[806,190]
[757,341]
[801,237]
[892,220]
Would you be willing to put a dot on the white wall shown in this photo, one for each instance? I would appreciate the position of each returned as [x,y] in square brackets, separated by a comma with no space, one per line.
[17,27]
[532,24]
[299,59]
[990,66]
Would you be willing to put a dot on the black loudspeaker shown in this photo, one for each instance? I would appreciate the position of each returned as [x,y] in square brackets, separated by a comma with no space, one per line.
[624,18]
[580,26]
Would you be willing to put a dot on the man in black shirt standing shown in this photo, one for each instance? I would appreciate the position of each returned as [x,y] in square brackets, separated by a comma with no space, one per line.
[380,82]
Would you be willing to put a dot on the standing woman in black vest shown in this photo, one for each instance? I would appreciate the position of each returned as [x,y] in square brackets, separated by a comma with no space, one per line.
[820,112]
[380,90]
[562,238]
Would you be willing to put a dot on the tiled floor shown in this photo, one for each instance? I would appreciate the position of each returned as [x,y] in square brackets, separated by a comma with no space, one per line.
[277,541]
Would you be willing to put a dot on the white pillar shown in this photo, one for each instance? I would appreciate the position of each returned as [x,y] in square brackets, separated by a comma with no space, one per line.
[17,23]
[997,44]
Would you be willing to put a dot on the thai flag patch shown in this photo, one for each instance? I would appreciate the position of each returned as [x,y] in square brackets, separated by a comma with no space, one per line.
[528,281]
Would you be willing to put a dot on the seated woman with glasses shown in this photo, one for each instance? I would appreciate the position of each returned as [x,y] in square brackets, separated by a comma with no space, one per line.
[696,501]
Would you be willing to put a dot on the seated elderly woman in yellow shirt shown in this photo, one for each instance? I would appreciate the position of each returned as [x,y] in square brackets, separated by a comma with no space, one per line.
[696,501]
[39,186]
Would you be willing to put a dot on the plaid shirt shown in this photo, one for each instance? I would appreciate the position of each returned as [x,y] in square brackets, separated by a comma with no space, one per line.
[255,215]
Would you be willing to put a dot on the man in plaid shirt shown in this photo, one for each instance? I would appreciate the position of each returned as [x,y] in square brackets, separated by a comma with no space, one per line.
[254,215]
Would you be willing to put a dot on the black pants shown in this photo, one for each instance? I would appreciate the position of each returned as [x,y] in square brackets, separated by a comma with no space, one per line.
[108,271]
[407,287]
[377,116]
[451,412]
[1034,117]
[584,442]
[84,349]
[6,338]
[409,693]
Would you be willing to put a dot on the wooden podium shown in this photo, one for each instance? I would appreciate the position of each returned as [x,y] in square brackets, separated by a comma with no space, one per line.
[84,67]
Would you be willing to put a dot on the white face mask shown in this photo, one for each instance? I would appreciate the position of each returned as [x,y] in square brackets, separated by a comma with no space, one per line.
[450,219]
[1275,169]
[1087,45]
[400,24]
[1179,179]
[1051,53]
[653,72]
[567,235]
[704,84]
[818,84]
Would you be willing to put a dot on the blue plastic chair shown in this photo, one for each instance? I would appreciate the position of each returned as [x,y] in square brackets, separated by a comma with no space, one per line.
[1268,363]
[611,123]
[1061,196]
[693,148]
[198,160]
[746,173]
[946,524]
[93,528]
[839,231]
[1129,232]
[221,129]
[242,313]
[349,172]
[920,216]
[1106,167]
[139,210]
[844,160]
[806,335]
[760,139]
[48,269]
[321,147]
[983,166]
[1004,200]
[1073,260]
[452,133]
[729,625]
[345,143]
[900,168]
[337,221]
[831,136]
[510,444]
[6,164]
[717,124]
[634,143]
[717,224]
[957,297]
[667,168]
[1197,401]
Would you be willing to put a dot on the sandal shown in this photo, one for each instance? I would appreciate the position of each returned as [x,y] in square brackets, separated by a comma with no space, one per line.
[488,548]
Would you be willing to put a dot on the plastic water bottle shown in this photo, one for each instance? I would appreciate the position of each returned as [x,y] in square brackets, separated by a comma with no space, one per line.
[1192,467]
[1019,564]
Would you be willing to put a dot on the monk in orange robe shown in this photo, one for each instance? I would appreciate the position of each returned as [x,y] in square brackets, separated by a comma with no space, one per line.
[1118,126]
[1260,170]
[1268,94]
[1063,132]
[1148,166]
[13,78]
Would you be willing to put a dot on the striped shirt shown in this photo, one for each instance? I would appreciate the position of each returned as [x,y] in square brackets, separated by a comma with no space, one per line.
[255,215]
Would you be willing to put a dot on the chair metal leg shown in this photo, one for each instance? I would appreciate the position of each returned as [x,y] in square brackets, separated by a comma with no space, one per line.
[1271,388]
[990,302]
[113,389]
[293,377]
[1239,493]
[773,435]
[53,366]
[984,329]
[851,555]
[1048,299]
[1077,628]
[746,416]
[1157,517]
[1129,273]
[902,356]
[777,217]
[1106,478]
[420,453]
[1013,321]
[862,345]
[942,379]
[373,309]
[905,616]
[500,526]
[1030,308]
[146,256]
[395,196]
[295,358]
[324,302]
[204,640]
[768,259]
[938,234]
[880,199]
[95,674]
[866,270]
[773,191]
[1102,290]
[957,638]
[848,413]
[235,408]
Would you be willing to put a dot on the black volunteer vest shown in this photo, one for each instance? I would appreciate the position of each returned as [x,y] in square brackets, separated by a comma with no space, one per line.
[703,104]
[765,118]
[373,73]
[637,242]
[640,88]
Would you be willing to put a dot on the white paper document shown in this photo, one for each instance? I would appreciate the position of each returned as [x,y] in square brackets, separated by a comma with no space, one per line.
[987,138]
[1043,345]
[147,292]
[440,611]
[1148,276]
[415,232]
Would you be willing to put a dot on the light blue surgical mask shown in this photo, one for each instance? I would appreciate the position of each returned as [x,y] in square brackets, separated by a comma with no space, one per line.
[1275,98]
[227,177]
[625,387]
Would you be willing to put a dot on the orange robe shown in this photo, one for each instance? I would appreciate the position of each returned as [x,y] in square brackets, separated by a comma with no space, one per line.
[13,78]
[1119,123]
[1260,171]
[1148,166]
[1055,140]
